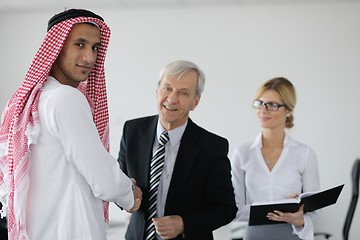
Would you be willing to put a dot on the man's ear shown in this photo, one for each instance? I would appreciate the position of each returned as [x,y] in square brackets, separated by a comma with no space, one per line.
[197,100]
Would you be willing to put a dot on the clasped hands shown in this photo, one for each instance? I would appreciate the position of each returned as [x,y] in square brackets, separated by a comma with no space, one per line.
[137,197]
[296,218]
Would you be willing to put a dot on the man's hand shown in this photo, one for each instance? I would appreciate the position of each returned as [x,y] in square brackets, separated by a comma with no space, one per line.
[169,227]
[137,197]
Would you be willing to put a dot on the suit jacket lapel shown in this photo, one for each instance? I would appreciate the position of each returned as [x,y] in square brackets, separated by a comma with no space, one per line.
[187,154]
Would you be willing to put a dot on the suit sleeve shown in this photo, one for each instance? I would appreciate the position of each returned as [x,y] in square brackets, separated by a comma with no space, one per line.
[122,152]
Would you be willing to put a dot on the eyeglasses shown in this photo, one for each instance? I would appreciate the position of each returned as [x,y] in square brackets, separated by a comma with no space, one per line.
[271,106]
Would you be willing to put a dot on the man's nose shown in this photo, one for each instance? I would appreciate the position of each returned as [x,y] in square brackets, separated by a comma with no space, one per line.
[172,97]
[89,56]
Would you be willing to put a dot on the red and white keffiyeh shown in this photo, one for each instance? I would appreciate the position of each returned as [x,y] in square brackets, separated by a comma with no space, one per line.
[20,122]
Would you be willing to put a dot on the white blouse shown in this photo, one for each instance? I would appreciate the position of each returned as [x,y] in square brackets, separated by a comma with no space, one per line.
[296,171]
[71,172]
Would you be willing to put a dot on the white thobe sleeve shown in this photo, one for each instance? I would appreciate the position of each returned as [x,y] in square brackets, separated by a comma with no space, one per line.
[83,149]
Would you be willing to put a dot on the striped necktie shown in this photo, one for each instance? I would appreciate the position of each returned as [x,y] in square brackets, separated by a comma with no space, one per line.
[156,165]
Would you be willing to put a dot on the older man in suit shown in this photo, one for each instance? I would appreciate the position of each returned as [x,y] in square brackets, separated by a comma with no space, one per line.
[194,194]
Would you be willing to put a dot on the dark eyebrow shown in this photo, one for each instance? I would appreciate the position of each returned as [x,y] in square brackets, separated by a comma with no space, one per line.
[80,39]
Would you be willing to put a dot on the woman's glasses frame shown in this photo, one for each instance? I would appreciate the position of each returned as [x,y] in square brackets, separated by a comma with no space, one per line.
[271,106]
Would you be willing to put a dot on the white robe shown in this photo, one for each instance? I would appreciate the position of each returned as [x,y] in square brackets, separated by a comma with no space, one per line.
[71,172]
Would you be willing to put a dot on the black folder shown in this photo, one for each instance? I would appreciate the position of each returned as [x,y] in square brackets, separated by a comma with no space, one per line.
[312,201]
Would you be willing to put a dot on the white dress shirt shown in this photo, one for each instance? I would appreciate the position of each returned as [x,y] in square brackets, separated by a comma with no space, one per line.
[171,150]
[295,171]
[71,172]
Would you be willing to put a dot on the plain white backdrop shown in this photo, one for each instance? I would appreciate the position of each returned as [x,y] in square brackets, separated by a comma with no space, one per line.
[316,46]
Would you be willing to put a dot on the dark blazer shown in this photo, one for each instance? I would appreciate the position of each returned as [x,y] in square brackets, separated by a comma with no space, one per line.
[200,190]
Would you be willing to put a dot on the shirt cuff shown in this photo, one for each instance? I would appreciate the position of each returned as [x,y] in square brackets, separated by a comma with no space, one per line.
[305,232]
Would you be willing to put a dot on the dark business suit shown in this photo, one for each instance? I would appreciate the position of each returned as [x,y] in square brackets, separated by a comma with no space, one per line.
[200,191]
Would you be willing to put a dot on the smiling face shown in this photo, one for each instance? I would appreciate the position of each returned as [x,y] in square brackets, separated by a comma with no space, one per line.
[176,97]
[78,55]
[272,119]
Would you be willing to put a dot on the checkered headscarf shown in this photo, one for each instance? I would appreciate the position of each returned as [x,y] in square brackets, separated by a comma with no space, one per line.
[20,121]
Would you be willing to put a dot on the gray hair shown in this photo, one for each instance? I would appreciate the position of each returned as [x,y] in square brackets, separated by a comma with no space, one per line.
[178,68]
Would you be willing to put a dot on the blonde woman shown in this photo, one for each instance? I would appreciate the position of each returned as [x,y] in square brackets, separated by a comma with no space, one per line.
[274,166]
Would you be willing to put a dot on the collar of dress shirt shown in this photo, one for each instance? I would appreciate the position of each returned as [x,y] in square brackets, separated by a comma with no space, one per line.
[288,141]
[174,134]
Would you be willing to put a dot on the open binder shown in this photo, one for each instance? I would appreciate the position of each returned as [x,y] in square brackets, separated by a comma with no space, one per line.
[311,200]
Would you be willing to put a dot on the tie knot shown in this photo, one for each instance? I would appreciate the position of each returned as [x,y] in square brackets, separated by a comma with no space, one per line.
[164,138]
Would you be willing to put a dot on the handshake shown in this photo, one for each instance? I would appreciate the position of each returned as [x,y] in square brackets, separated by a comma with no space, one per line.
[137,197]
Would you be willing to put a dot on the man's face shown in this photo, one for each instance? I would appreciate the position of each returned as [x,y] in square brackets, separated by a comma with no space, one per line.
[176,98]
[78,55]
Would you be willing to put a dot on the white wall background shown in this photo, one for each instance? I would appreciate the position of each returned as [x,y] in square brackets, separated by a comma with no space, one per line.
[316,46]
